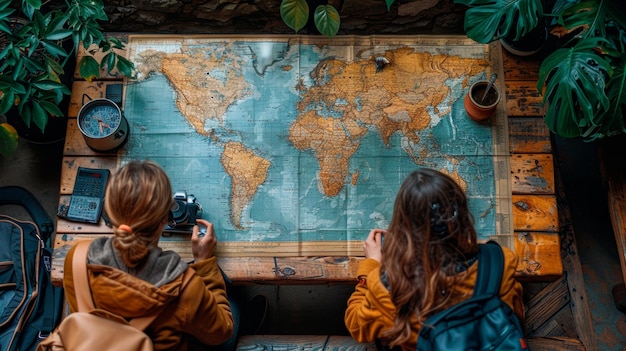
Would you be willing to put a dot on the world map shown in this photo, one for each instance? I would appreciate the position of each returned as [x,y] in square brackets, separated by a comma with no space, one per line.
[303,140]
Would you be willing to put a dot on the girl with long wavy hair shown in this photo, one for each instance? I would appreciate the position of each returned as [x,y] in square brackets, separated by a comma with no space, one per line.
[428,263]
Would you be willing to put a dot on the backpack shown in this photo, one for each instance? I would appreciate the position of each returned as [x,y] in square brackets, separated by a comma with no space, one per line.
[484,321]
[95,329]
[30,306]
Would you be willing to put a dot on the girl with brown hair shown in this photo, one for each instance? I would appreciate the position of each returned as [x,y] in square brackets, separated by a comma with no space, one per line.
[131,276]
[428,263]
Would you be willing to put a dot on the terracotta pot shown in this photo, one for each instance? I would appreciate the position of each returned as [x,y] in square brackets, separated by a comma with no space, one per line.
[477,108]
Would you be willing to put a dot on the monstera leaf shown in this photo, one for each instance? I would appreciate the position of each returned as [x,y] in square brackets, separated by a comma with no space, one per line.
[489,20]
[575,81]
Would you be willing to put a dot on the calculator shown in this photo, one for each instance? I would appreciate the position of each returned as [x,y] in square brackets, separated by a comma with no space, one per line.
[88,195]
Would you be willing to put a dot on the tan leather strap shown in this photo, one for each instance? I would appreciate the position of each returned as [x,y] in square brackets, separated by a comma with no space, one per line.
[81,277]
[84,299]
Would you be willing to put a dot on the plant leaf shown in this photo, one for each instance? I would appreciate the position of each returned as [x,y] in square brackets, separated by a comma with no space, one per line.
[26,115]
[89,68]
[575,80]
[108,61]
[613,119]
[48,85]
[36,4]
[327,20]
[8,140]
[40,117]
[58,34]
[489,20]
[124,66]
[54,49]
[28,9]
[295,13]
[389,3]
[7,101]
[51,108]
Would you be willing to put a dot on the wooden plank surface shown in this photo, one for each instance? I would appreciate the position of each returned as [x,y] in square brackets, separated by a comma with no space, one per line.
[535,213]
[519,68]
[538,252]
[529,135]
[539,255]
[532,174]
[523,99]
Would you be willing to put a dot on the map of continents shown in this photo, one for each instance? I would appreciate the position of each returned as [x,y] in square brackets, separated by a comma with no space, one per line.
[289,140]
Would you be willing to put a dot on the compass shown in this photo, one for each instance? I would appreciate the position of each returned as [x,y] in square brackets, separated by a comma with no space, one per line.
[102,124]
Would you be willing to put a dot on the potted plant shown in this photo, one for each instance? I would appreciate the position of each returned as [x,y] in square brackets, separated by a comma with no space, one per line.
[38,47]
[585,85]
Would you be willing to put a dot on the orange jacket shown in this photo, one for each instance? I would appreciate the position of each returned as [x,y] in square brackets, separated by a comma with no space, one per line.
[370,310]
[200,309]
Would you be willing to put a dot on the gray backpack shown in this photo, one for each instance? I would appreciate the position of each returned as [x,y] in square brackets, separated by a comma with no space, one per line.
[30,307]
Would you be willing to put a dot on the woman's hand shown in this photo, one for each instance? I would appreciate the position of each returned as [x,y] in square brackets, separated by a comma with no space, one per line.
[203,242]
[373,244]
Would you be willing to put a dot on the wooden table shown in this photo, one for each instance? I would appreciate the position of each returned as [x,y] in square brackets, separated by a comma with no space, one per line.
[535,216]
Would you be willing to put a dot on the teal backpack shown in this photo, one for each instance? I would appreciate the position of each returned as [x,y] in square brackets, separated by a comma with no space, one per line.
[30,307]
[483,322]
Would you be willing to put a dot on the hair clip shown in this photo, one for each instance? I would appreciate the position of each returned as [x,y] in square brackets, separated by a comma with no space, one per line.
[438,224]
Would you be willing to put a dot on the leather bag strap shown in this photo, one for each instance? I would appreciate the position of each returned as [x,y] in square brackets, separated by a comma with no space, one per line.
[81,277]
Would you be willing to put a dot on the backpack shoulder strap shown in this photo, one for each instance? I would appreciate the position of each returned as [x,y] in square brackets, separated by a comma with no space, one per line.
[81,277]
[16,195]
[490,268]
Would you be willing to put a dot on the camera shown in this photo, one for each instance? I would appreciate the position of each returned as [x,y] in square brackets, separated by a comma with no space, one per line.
[184,212]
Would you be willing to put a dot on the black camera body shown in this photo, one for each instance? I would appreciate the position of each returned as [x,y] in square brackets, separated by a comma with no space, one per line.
[184,212]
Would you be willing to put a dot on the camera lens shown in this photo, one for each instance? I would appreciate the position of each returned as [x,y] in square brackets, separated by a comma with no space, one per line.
[179,212]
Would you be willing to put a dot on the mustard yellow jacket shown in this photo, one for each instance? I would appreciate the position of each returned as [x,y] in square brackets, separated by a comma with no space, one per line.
[370,310]
[200,312]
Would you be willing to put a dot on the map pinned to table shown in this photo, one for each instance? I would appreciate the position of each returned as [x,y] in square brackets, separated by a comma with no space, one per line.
[297,145]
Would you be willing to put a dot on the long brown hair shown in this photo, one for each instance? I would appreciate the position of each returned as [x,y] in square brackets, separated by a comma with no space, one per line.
[431,230]
[137,201]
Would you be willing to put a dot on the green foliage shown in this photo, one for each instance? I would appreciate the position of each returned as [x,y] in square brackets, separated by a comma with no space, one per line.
[488,20]
[33,57]
[326,20]
[295,14]
[584,80]
[575,88]
[8,140]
